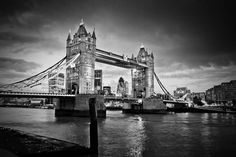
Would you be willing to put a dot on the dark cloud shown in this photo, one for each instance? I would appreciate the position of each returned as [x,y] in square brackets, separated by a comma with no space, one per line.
[17,65]
[11,38]
[183,34]
[11,42]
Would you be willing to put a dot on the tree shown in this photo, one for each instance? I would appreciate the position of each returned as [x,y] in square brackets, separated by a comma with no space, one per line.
[197,100]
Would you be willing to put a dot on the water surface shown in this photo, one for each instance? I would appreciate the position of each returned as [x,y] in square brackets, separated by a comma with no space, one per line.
[180,134]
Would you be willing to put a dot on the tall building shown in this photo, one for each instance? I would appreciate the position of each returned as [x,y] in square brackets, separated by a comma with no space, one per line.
[107,90]
[121,87]
[56,84]
[143,79]
[181,91]
[209,94]
[98,81]
[225,92]
[81,77]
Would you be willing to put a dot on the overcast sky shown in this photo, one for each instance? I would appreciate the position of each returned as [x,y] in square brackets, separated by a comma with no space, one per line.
[193,41]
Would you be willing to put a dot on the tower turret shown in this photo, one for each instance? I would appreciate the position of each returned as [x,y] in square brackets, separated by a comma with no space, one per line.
[94,35]
[142,54]
[82,30]
[82,75]
[68,40]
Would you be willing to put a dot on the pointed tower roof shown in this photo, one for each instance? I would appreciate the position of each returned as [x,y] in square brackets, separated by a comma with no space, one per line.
[94,35]
[142,52]
[152,55]
[81,22]
[69,36]
[142,46]
[82,31]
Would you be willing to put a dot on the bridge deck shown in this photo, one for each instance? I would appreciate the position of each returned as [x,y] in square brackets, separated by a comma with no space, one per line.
[117,60]
[34,95]
[53,95]
[175,102]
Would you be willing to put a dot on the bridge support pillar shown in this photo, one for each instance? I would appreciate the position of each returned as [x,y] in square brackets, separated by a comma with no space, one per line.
[148,105]
[142,78]
[79,106]
[149,81]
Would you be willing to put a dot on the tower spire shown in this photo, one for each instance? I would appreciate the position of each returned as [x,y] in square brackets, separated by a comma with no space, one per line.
[142,46]
[82,31]
[152,55]
[69,36]
[82,22]
[94,35]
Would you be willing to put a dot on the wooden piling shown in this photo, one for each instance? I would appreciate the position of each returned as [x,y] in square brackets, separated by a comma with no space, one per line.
[93,126]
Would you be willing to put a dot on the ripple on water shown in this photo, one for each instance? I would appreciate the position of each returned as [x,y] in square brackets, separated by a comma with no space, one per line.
[182,134]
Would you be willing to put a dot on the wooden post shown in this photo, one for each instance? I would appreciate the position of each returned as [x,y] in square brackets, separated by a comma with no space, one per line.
[93,126]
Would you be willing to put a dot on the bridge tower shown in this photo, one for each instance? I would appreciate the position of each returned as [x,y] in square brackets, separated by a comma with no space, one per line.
[80,79]
[143,78]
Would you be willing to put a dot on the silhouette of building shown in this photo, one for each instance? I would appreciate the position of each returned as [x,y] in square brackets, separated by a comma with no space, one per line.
[225,92]
[199,95]
[107,90]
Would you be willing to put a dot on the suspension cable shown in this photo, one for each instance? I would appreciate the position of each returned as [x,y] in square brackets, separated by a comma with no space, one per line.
[33,79]
[162,86]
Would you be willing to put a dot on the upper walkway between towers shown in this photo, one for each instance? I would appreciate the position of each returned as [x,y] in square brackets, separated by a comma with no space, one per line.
[117,60]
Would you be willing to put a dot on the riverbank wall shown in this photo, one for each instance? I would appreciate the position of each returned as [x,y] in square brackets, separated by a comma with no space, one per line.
[22,144]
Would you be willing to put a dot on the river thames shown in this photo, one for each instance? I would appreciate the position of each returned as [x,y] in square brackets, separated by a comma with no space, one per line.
[172,134]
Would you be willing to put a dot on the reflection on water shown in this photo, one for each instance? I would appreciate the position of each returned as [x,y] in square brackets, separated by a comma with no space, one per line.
[182,134]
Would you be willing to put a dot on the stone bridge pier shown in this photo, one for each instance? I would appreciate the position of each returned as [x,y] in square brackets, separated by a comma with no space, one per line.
[79,106]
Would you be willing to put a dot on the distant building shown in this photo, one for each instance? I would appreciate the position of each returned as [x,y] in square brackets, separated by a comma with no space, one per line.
[181,91]
[98,81]
[225,92]
[200,95]
[162,96]
[107,90]
[56,83]
[122,87]
[209,95]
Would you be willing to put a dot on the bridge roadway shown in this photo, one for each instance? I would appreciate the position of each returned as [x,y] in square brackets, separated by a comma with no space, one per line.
[53,95]
[175,102]
[117,60]
[34,95]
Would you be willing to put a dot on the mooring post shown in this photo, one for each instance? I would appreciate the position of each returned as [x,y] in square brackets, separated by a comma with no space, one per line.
[93,126]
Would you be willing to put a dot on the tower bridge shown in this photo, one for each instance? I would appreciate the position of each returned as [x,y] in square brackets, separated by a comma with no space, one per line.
[82,52]
[84,43]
